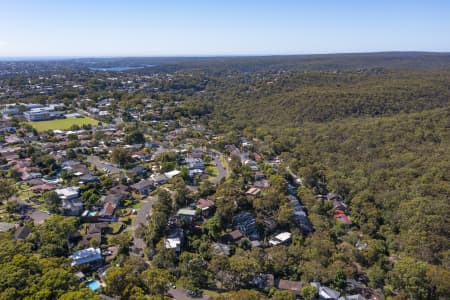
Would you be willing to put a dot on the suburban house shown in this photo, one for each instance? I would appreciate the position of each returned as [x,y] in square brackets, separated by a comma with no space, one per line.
[263,280]
[253,192]
[300,216]
[41,188]
[108,212]
[261,183]
[116,194]
[294,286]
[72,207]
[232,237]
[173,243]
[187,214]
[120,189]
[93,231]
[143,187]
[333,196]
[197,153]
[195,163]
[245,222]
[68,193]
[302,220]
[22,232]
[352,297]
[338,204]
[113,198]
[207,207]
[172,174]
[325,292]
[159,179]
[259,176]
[270,225]
[174,238]
[86,256]
[87,178]
[70,202]
[280,239]
[342,217]
[221,249]
[136,171]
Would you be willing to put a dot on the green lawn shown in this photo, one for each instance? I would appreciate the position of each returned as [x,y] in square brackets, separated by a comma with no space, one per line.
[212,170]
[211,293]
[225,164]
[115,227]
[137,205]
[62,124]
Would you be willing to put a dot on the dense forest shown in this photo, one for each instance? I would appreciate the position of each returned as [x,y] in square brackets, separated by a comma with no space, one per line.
[378,137]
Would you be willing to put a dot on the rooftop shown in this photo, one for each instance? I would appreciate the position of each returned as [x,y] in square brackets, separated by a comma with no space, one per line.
[86,256]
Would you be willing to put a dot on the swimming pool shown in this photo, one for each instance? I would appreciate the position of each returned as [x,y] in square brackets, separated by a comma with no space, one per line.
[94,285]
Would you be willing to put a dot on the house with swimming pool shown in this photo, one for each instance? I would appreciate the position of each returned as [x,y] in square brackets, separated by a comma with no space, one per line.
[85,257]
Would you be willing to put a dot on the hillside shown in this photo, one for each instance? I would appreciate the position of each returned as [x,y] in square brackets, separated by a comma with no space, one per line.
[289,99]
[379,138]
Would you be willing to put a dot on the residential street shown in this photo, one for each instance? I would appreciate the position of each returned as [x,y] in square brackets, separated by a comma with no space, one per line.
[101,165]
[141,218]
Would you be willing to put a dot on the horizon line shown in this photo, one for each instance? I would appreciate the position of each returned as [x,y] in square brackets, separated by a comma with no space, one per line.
[218,55]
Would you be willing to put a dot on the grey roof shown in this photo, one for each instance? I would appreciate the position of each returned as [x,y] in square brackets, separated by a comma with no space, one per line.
[143,184]
[22,232]
[6,226]
[327,293]
[220,248]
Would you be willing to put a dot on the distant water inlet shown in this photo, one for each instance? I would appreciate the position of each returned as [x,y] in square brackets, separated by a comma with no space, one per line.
[117,69]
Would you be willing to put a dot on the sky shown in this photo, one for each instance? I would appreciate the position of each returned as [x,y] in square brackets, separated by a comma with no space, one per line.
[31,28]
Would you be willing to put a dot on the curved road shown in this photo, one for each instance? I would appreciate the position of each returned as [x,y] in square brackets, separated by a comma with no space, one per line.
[222,172]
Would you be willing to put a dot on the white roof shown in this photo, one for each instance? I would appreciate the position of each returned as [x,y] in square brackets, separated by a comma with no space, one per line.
[68,192]
[284,236]
[172,173]
[187,212]
[327,293]
[172,243]
[280,238]
[86,256]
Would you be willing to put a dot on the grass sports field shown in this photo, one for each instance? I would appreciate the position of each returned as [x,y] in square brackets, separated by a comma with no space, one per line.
[62,124]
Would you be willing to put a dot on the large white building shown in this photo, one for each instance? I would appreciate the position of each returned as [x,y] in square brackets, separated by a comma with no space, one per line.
[43,113]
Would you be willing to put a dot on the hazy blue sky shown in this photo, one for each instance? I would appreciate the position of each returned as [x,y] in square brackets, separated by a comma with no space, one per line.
[190,27]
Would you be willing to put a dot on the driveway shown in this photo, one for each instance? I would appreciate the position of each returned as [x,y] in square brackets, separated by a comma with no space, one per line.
[144,211]
[180,294]
[141,218]
[297,180]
